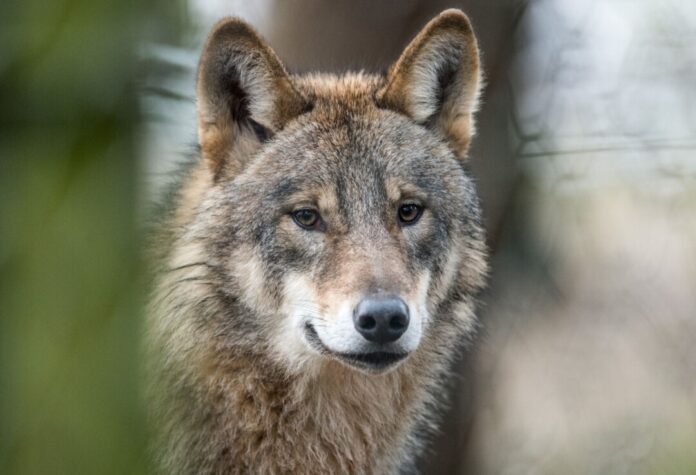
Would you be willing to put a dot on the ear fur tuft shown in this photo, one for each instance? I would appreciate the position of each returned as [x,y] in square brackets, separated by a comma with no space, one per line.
[244,94]
[437,79]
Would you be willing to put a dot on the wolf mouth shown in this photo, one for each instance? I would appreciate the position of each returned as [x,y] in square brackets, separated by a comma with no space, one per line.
[373,360]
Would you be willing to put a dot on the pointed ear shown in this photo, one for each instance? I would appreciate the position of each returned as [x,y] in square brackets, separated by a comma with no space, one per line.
[244,95]
[436,80]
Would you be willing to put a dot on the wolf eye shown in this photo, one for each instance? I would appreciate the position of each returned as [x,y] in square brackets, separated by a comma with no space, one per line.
[409,213]
[306,218]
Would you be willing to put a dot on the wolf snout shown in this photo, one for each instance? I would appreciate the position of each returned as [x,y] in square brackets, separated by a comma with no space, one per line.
[381,319]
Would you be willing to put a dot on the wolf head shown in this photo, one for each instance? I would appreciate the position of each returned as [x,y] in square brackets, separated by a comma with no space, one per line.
[338,215]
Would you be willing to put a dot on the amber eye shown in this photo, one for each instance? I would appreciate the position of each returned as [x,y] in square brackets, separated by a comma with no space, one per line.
[306,218]
[409,213]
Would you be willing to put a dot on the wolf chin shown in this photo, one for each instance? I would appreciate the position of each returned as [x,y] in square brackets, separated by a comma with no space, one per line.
[319,264]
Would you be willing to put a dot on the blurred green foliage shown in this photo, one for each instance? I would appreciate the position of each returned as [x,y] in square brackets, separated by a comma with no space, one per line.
[70,280]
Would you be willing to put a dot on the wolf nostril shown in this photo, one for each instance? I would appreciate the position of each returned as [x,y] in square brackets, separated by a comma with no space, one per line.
[366,322]
[398,322]
[381,319]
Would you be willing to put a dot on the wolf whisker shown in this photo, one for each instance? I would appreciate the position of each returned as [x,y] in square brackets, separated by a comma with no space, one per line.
[196,278]
[192,264]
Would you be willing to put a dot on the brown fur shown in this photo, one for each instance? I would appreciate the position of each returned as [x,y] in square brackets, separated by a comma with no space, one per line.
[226,398]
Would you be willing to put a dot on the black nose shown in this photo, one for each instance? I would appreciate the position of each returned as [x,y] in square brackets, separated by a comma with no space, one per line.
[381,319]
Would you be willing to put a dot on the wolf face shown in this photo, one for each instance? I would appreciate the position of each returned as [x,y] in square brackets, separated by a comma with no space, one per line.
[346,233]
[338,215]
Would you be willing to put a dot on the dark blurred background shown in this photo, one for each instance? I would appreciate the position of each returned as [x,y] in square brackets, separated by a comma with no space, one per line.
[586,163]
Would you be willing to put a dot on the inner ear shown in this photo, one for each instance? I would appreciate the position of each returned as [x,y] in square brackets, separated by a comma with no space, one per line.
[230,90]
[244,95]
[437,79]
[446,73]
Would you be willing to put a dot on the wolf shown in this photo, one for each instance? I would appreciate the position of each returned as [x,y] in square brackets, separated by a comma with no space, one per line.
[319,263]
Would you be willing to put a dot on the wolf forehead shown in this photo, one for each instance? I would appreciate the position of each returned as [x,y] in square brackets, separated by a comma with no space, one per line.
[331,94]
[345,138]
